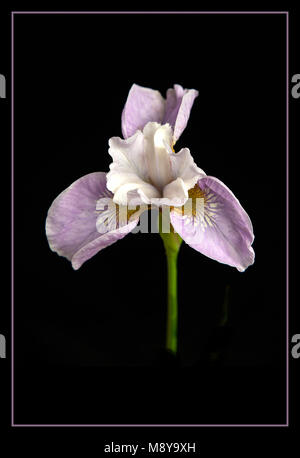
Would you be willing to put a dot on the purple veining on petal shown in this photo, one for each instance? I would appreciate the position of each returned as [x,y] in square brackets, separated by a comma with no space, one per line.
[221,229]
[71,220]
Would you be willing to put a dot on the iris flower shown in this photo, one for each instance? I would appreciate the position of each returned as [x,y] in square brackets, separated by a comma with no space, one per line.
[146,171]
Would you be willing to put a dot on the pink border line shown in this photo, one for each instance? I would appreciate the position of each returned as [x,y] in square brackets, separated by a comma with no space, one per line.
[287,218]
[12,220]
[13,424]
[148,426]
[149,12]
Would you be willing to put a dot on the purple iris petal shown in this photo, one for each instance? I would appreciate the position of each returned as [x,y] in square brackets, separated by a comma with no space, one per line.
[144,105]
[71,221]
[178,107]
[220,229]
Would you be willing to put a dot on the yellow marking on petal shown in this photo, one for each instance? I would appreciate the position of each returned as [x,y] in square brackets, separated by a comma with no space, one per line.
[191,210]
[203,215]
[196,193]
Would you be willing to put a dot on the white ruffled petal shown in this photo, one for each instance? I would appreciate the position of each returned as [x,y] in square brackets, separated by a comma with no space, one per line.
[184,167]
[175,193]
[145,190]
[129,170]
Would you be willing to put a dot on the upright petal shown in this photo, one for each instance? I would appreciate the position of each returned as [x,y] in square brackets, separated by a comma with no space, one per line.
[178,107]
[218,227]
[143,105]
[71,224]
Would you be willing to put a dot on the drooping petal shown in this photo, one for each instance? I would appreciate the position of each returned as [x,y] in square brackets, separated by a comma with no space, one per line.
[219,228]
[129,170]
[143,105]
[71,224]
[183,166]
[178,107]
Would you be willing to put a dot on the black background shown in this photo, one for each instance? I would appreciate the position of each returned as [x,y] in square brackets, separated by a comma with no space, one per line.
[89,344]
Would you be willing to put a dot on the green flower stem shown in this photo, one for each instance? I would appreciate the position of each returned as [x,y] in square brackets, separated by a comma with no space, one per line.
[172,244]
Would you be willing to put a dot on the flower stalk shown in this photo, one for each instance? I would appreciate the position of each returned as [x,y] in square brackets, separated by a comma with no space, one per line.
[172,242]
